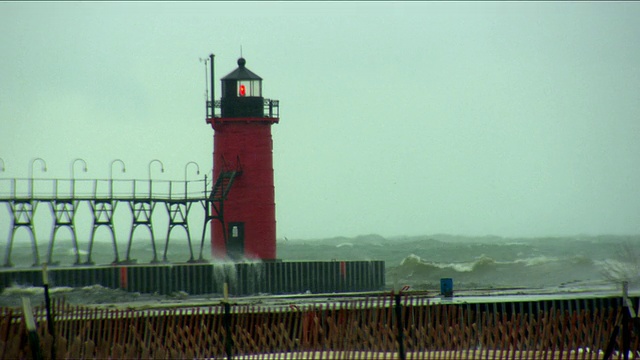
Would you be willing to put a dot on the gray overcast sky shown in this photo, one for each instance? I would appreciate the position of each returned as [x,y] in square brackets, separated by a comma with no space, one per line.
[397,118]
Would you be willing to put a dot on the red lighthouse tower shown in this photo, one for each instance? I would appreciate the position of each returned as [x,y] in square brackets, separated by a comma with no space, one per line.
[242,196]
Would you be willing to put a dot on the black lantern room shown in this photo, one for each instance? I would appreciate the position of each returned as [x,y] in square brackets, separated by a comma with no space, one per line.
[242,93]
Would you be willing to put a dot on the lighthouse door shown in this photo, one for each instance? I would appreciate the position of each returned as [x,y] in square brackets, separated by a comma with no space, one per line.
[235,242]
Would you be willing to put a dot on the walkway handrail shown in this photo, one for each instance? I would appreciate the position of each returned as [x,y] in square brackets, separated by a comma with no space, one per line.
[88,189]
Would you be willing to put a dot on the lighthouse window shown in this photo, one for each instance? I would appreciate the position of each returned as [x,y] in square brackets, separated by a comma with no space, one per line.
[234,231]
[252,88]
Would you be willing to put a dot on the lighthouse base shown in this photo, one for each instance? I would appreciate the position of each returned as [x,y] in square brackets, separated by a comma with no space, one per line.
[244,279]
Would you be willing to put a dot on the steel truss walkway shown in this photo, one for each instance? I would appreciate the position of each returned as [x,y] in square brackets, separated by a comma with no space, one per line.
[63,197]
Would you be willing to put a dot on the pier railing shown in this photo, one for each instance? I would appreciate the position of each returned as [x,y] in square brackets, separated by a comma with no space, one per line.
[101,189]
[385,327]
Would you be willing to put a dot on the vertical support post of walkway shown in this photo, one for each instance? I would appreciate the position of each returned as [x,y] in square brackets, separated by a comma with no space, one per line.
[102,211]
[401,352]
[64,213]
[142,212]
[178,211]
[22,212]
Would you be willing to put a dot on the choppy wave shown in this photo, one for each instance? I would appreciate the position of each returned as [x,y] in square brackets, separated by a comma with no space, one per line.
[415,262]
[344,244]
[484,271]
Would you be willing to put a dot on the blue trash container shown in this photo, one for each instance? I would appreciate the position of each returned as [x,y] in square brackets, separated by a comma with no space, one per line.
[446,287]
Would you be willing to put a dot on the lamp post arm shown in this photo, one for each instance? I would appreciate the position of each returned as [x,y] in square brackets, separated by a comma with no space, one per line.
[44,169]
[185,175]
[73,175]
[124,169]
[161,170]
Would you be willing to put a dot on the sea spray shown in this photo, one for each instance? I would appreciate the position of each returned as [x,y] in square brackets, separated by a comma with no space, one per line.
[223,271]
[245,274]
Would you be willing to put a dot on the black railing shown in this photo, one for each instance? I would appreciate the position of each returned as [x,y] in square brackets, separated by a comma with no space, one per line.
[97,189]
[271,109]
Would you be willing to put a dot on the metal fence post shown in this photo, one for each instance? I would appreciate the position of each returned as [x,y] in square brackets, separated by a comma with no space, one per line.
[228,341]
[30,324]
[47,302]
[401,352]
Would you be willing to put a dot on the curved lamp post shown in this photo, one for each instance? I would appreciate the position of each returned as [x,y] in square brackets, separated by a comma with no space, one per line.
[13,182]
[185,174]
[161,170]
[73,175]
[124,170]
[44,169]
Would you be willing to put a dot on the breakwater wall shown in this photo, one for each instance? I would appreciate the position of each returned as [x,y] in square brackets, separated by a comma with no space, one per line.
[277,277]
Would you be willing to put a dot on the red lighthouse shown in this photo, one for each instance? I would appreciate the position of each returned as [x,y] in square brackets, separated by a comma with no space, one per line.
[242,196]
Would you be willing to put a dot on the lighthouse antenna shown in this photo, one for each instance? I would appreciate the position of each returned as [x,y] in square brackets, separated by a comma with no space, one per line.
[206,86]
[213,87]
[240,50]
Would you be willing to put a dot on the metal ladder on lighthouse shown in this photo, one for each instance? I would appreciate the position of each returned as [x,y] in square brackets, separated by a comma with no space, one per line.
[216,200]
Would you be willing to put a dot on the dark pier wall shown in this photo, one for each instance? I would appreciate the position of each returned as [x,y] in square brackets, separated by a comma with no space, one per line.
[244,279]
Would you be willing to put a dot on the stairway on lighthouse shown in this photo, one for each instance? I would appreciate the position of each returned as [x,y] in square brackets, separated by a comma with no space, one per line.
[219,195]
[223,185]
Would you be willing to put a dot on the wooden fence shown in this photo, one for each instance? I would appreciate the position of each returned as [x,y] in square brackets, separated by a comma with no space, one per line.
[356,329]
